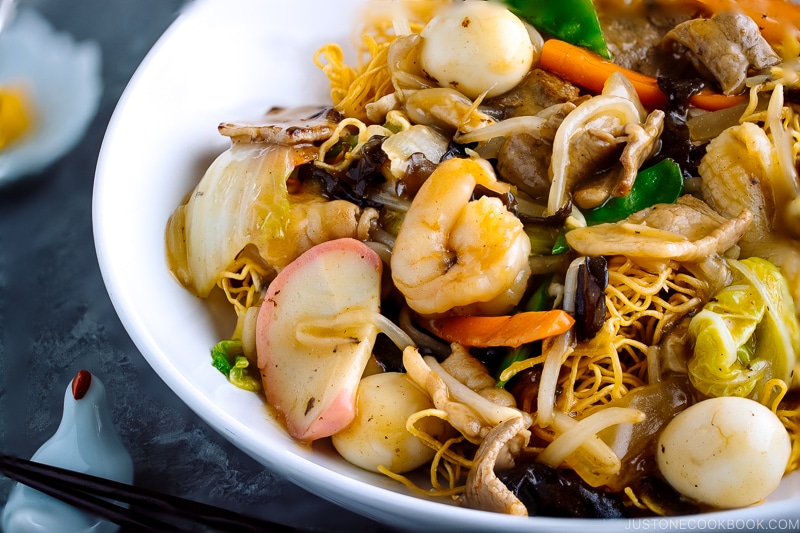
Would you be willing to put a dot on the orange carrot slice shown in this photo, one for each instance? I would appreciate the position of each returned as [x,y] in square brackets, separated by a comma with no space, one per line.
[508,330]
[777,19]
[590,71]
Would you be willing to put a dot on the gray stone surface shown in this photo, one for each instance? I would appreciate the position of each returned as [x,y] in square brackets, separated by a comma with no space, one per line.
[56,318]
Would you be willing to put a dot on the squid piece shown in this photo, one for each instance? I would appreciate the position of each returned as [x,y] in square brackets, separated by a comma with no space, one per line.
[472,373]
[737,171]
[467,411]
[740,171]
[686,231]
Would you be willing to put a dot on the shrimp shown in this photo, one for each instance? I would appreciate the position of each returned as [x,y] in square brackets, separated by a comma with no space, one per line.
[461,256]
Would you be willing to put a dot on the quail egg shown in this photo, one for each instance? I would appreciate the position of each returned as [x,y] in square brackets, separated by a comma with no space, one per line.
[476,47]
[726,452]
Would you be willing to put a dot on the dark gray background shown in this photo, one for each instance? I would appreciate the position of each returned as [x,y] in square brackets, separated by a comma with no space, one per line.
[56,318]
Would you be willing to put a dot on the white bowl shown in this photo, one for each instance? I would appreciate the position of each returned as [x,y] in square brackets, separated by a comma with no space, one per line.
[233,59]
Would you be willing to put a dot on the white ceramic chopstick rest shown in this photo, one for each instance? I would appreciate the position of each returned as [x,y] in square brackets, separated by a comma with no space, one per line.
[85,441]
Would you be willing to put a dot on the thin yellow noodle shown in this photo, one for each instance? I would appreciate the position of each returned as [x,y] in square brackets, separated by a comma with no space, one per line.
[615,361]
[569,390]
[777,387]
[625,299]
[452,471]
[639,284]
[518,366]
[773,395]
[345,159]
[353,88]
[630,344]
[790,416]
[447,462]
[589,386]
[429,441]
[415,488]
[240,283]
[634,499]
[792,123]
[752,103]
[333,140]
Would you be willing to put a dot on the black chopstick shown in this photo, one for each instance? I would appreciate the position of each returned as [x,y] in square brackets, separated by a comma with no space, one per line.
[91,504]
[146,510]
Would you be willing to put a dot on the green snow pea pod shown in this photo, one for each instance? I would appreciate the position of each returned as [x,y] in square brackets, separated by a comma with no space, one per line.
[661,183]
[574,21]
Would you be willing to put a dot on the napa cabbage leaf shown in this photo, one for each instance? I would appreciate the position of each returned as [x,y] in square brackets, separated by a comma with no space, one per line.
[242,199]
[228,357]
[747,334]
